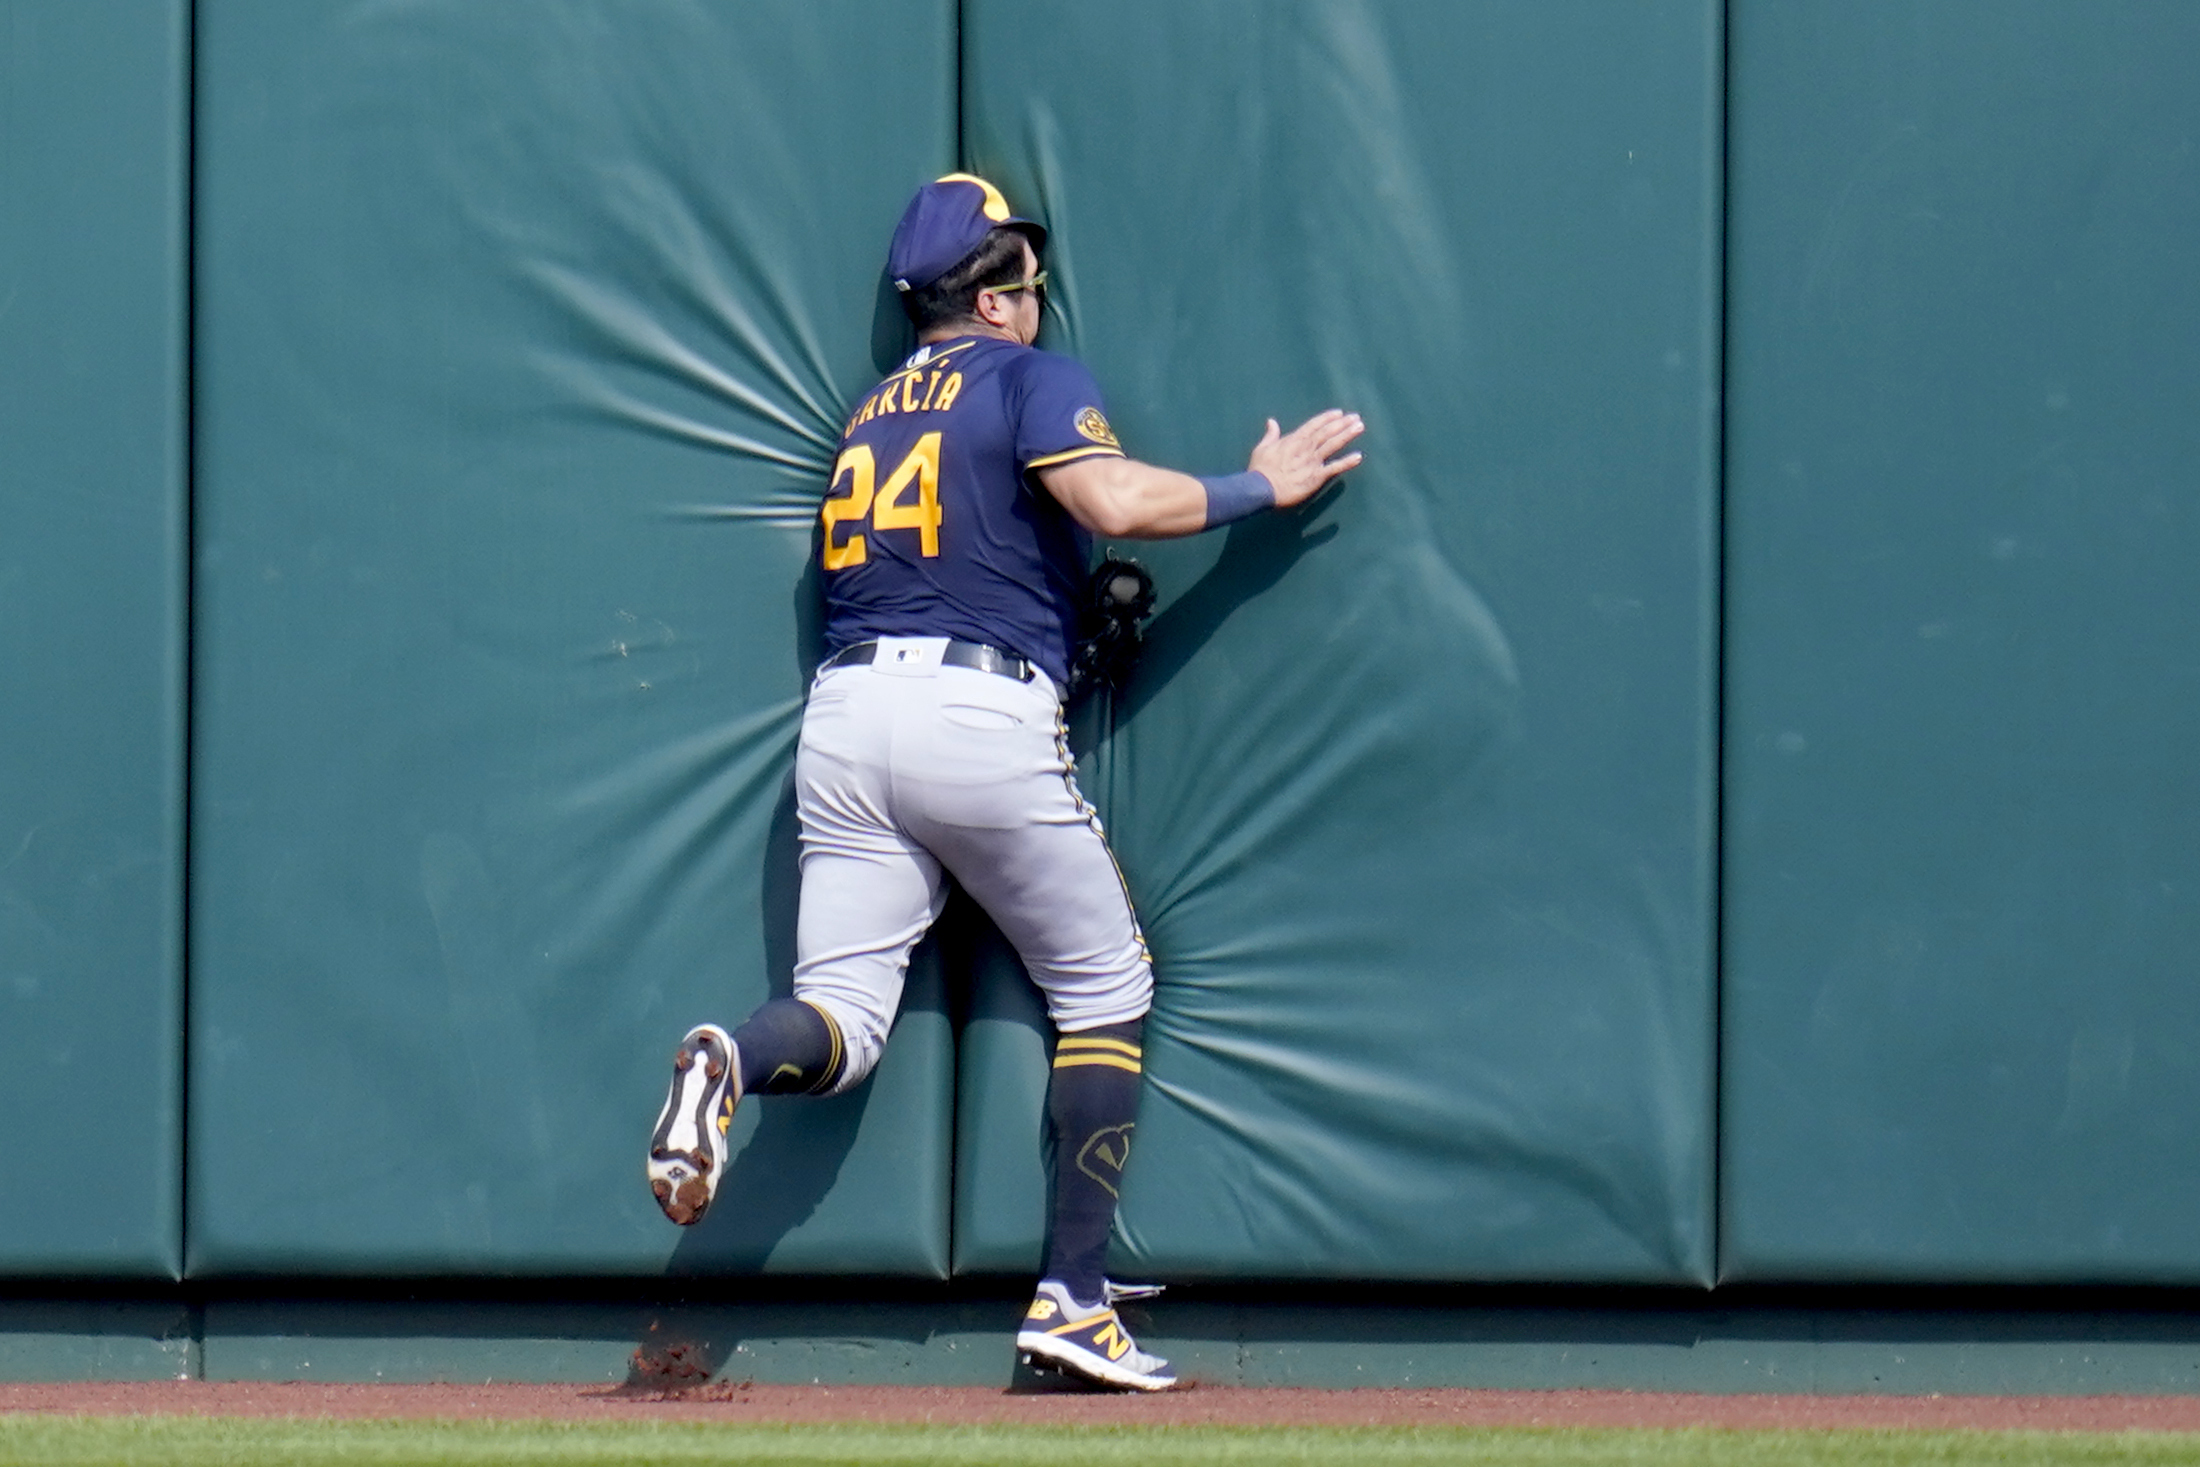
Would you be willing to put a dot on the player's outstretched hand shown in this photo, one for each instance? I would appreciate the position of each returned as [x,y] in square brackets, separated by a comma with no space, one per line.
[1299,462]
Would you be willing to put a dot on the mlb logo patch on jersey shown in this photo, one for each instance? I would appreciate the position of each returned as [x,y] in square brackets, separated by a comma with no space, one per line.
[1094,426]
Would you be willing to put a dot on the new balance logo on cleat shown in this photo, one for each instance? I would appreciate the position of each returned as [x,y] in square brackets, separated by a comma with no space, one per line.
[688,1150]
[1088,1341]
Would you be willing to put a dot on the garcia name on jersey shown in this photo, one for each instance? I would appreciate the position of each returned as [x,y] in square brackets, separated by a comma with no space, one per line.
[933,524]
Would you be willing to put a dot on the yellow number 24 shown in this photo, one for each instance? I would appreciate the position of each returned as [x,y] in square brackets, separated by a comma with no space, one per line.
[888,509]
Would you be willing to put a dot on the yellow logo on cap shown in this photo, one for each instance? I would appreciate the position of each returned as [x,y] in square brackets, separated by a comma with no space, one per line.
[996,207]
[1095,427]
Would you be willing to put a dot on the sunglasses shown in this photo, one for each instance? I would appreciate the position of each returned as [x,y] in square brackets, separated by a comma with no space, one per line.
[1037,283]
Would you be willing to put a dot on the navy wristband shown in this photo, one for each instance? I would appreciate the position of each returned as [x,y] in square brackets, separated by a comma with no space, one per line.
[1234,496]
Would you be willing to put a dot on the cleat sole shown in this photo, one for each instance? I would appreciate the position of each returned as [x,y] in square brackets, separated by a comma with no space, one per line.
[1042,1358]
[687,1150]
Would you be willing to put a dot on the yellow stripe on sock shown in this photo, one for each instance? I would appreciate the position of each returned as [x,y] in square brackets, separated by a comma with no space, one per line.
[1120,1046]
[833,1056]
[1065,1061]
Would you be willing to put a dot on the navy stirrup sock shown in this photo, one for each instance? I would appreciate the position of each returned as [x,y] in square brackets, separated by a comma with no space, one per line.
[788,1048]
[1092,1101]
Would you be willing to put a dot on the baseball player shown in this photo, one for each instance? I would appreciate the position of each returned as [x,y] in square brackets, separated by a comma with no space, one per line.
[955,545]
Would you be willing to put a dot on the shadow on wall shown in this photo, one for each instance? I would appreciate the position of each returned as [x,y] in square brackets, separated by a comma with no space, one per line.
[788,1152]
[796,1146]
[892,337]
[1257,554]
[792,1157]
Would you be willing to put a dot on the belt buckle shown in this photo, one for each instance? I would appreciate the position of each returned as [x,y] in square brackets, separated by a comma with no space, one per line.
[983,657]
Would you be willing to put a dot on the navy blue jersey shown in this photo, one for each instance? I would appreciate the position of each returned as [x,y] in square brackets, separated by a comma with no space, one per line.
[932,528]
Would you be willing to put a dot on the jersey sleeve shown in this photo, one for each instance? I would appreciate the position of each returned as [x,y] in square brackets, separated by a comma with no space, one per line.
[1059,415]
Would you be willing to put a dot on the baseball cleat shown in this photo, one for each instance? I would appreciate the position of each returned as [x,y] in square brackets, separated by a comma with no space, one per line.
[687,1151]
[1087,1340]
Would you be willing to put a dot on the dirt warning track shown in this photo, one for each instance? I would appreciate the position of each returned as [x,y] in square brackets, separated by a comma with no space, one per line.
[1229,1406]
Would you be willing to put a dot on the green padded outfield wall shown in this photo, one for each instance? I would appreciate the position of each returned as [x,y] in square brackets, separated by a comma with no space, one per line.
[93,114]
[525,336]
[1962,1028]
[1414,789]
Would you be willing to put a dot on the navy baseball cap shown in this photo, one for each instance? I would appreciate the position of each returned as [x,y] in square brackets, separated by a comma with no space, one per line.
[948,219]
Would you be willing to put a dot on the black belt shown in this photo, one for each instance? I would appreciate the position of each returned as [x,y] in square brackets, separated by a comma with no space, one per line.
[974,655]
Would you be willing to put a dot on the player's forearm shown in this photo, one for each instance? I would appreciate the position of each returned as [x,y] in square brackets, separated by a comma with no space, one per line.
[1123,499]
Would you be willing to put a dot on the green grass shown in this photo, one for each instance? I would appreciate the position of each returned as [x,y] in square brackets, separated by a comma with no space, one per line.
[182,1440]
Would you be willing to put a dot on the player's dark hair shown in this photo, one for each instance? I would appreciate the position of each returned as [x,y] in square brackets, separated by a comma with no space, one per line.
[998,260]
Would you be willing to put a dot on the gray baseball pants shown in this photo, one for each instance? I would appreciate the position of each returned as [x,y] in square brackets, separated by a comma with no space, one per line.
[907,768]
